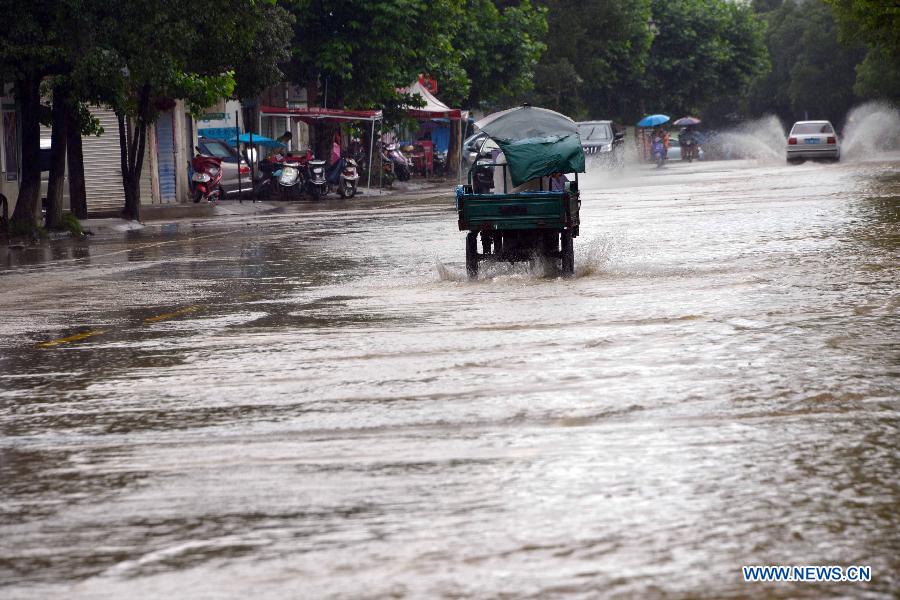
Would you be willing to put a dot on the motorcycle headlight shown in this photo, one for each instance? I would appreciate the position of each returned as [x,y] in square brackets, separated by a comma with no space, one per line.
[201,177]
[288,176]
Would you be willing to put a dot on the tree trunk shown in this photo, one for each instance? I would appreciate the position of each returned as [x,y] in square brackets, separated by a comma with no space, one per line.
[316,131]
[132,144]
[454,148]
[75,159]
[56,183]
[28,203]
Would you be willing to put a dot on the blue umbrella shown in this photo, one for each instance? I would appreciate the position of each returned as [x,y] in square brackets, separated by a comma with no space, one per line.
[653,121]
[258,140]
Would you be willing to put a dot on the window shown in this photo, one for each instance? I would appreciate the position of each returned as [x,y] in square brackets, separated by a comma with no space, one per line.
[217,149]
[808,128]
[595,132]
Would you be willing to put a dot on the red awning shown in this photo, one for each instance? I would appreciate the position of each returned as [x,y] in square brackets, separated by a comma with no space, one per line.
[311,115]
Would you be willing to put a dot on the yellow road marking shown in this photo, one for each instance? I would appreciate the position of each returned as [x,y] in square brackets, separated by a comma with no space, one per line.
[172,315]
[71,338]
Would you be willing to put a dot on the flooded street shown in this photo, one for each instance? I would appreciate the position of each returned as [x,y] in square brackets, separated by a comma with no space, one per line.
[316,403]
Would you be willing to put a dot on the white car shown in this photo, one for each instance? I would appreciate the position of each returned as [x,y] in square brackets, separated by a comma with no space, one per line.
[813,139]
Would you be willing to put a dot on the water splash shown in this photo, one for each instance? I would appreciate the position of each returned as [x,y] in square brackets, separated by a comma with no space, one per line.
[446,273]
[763,140]
[595,257]
[872,129]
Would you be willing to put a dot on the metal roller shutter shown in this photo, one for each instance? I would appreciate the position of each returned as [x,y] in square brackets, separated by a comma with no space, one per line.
[102,167]
[165,148]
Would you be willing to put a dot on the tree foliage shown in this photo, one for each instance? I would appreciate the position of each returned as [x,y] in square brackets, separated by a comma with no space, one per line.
[134,56]
[811,74]
[704,56]
[32,47]
[360,52]
[877,24]
[137,78]
[596,55]
[499,49]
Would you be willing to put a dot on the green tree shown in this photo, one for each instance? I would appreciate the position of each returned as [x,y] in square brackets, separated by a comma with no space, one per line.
[150,52]
[811,73]
[877,24]
[361,52]
[595,58]
[704,56]
[135,56]
[31,48]
[499,50]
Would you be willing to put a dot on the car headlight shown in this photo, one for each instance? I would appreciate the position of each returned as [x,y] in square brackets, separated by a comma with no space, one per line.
[606,148]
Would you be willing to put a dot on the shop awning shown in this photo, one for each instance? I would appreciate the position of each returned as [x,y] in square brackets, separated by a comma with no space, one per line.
[433,109]
[312,115]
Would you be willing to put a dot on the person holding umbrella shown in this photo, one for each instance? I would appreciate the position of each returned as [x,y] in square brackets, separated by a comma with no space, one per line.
[689,147]
[653,121]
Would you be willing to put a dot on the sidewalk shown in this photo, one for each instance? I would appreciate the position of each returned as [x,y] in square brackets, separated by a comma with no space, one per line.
[161,213]
[156,214]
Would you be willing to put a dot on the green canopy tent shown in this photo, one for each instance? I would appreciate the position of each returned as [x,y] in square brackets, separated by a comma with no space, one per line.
[535,141]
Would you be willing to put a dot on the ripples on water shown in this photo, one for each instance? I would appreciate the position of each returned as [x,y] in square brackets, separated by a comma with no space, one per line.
[345,415]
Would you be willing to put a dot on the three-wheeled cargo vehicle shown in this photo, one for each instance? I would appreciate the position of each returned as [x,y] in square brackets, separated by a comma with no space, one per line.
[534,211]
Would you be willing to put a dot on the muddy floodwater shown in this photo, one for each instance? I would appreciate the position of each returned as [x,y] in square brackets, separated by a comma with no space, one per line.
[316,403]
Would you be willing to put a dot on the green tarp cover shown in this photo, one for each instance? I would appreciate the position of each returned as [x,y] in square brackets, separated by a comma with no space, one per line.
[531,158]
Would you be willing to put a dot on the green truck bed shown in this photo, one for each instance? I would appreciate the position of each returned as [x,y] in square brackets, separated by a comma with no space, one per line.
[523,210]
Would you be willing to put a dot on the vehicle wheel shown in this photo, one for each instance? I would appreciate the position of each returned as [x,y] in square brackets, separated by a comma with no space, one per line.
[314,193]
[472,254]
[486,243]
[567,241]
[198,196]
[402,172]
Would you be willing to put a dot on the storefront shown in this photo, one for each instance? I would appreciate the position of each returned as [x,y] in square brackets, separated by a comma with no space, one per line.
[311,116]
[440,127]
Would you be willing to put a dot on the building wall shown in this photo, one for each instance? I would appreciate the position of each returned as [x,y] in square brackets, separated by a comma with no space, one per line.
[10,147]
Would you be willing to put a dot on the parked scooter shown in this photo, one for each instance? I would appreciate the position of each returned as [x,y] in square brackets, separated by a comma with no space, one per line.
[316,184]
[402,165]
[289,172]
[440,163]
[265,181]
[388,176]
[205,180]
[343,176]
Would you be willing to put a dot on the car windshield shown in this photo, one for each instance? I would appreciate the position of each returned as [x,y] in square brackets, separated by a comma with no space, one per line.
[595,131]
[217,149]
[487,146]
[803,128]
[475,141]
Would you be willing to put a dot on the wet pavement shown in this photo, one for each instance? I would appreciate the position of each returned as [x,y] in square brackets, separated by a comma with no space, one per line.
[316,403]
